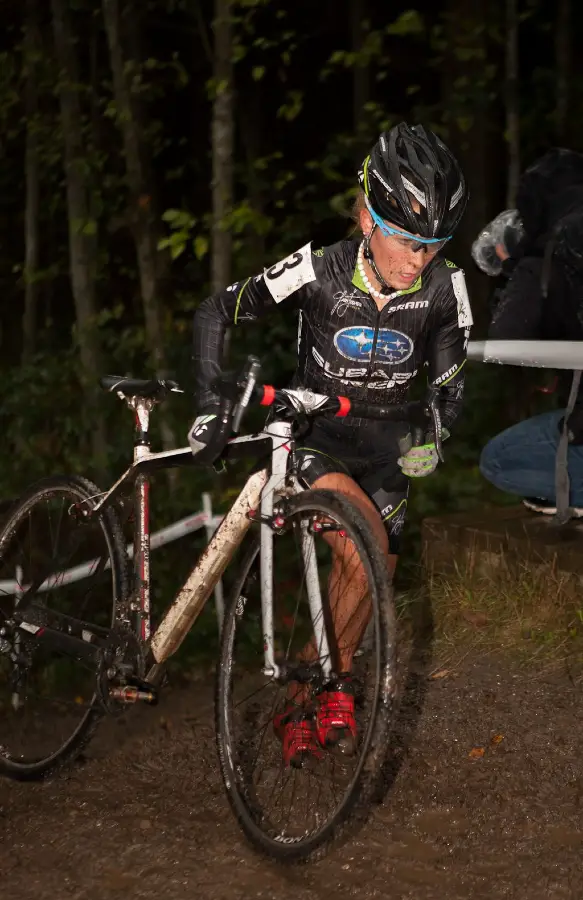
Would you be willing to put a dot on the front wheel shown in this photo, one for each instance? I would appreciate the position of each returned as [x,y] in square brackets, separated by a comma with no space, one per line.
[289,810]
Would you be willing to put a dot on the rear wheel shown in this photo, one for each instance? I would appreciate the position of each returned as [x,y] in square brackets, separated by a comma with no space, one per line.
[53,561]
[294,813]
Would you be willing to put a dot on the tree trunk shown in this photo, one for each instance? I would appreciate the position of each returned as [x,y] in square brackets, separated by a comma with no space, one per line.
[151,263]
[140,196]
[468,117]
[222,146]
[250,125]
[361,86]
[82,229]
[563,50]
[32,49]
[512,102]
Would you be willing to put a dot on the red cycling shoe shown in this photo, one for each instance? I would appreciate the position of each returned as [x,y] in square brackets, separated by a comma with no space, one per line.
[335,722]
[296,730]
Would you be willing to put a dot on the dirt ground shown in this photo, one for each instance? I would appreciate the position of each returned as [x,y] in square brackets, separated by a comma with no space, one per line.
[144,816]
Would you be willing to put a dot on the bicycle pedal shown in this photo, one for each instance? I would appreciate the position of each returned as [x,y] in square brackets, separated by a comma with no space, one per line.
[135,692]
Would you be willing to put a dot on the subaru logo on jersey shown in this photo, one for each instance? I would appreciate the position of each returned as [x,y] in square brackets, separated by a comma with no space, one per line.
[356,343]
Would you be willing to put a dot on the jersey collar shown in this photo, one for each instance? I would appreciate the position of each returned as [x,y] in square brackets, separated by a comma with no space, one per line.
[359,283]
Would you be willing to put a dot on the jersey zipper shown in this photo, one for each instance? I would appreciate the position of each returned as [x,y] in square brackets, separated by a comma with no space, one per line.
[379,313]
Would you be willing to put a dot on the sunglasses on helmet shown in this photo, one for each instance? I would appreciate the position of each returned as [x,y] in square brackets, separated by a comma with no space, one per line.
[416,243]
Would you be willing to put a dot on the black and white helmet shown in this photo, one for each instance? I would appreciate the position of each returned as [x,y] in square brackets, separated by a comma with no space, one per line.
[412,162]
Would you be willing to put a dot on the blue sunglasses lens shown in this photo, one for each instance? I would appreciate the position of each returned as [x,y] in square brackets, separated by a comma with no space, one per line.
[434,244]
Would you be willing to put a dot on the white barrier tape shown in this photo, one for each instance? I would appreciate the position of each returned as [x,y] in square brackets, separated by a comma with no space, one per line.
[158,539]
[537,354]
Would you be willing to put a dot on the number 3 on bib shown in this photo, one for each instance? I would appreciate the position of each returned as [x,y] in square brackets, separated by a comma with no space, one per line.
[290,274]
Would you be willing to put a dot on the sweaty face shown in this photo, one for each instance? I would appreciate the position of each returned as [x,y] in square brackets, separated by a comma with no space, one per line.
[397,261]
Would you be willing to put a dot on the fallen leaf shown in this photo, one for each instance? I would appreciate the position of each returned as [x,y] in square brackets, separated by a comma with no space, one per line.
[476,753]
[477,619]
[442,673]
[496,739]
[117,880]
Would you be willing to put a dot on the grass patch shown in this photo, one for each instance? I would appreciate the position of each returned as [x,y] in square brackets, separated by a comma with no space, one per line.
[531,612]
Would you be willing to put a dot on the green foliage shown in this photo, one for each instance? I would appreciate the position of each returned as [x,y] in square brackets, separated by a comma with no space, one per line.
[293,105]
[9,95]
[182,224]
[409,23]
[299,140]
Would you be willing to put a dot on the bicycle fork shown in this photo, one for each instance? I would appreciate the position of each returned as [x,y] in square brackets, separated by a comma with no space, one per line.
[308,549]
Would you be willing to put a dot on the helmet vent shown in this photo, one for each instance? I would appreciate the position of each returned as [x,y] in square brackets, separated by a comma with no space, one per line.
[456,197]
[409,186]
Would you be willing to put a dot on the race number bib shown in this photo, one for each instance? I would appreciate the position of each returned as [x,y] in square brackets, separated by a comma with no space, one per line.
[464,310]
[289,275]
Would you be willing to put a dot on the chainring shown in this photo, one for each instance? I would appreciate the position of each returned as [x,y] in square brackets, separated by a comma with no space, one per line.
[123,657]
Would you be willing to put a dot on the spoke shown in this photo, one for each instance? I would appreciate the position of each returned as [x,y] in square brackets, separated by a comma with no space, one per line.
[293,793]
[59,519]
[263,728]
[254,693]
[296,530]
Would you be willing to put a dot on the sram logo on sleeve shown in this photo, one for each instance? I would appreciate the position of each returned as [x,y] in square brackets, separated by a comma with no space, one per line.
[289,275]
[464,310]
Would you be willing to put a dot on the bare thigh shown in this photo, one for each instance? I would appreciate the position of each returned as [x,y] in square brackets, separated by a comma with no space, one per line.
[344,484]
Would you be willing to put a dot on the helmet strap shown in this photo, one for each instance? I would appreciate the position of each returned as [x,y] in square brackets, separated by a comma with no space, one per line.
[385,288]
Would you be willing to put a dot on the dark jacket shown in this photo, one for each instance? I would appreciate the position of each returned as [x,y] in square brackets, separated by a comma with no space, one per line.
[542,298]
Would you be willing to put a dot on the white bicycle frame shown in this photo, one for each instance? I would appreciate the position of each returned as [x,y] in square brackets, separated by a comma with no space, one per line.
[256,502]
[259,495]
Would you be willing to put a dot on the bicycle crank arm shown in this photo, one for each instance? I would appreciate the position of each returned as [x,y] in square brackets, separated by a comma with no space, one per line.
[302,673]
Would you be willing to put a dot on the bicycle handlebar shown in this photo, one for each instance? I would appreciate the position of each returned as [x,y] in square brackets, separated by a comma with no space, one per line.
[313,404]
[237,393]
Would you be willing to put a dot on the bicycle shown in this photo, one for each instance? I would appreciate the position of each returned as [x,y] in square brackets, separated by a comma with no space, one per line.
[115,658]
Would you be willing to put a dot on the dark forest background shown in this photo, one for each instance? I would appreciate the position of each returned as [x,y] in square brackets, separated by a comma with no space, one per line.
[152,150]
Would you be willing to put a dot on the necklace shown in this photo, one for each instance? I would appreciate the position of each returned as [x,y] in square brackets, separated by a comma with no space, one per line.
[366,281]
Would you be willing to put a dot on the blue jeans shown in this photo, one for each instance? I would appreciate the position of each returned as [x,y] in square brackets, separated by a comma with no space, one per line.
[521,460]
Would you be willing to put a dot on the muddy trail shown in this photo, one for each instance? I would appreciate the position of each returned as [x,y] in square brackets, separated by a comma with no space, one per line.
[487,802]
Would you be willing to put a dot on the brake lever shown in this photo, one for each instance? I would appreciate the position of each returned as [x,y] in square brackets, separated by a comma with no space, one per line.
[171,386]
[250,380]
[429,414]
[209,454]
[436,421]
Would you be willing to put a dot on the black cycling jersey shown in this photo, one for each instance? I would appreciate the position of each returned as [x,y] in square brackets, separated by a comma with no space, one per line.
[345,344]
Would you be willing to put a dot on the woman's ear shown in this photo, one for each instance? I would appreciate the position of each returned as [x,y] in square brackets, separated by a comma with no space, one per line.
[365,221]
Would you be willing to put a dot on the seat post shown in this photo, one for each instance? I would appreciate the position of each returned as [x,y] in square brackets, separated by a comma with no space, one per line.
[142,406]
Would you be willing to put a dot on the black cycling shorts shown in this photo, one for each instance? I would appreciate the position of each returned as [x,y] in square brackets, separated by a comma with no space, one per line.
[367,451]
